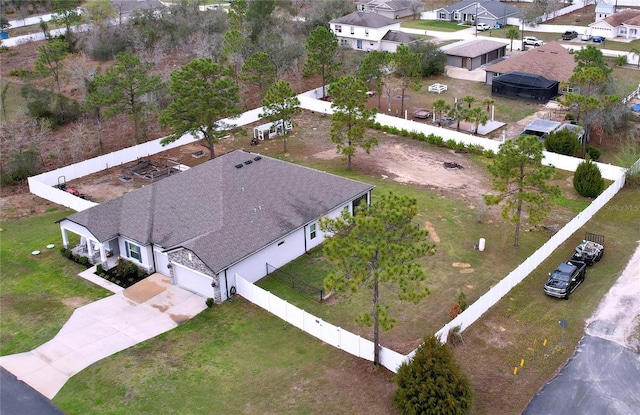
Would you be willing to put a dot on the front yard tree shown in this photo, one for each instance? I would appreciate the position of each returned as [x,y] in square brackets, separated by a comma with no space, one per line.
[407,67]
[125,85]
[322,55]
[372,70]
[280,103]
[432,382]
[521,182]
[512,33]
[377,245]
[350,117]
[203,95]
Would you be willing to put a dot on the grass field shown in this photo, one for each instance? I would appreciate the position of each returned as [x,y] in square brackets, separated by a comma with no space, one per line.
[38,293]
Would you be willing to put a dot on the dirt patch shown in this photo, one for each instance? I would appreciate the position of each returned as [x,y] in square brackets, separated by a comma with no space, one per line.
[143,291]
[75,302]
[460,265]
[432,232]
[467,271]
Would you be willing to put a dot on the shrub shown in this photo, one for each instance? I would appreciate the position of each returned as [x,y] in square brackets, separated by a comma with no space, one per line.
[454,310]
[125,269]
[562,142]
[100,270]
[594,153]
[22,165]
[19,73]
[489,154]
[588,180]
[621,60]
[450,143]
[475,149]
[209,302]
[404,133]
[435,140]
[462,300]
[56,108]
[84,261]
[432,379]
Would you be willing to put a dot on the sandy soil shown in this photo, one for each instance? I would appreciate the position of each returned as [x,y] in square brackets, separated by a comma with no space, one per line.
[618,316]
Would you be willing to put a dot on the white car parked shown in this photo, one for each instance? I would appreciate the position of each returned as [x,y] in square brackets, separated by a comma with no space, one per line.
[482,27]
[532,40]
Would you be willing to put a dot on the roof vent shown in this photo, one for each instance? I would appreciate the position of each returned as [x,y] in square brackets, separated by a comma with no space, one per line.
[238,166]
[248,162]
[257,158]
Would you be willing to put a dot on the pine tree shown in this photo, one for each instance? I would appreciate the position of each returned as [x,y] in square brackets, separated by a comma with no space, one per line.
[432,382]
[588,179]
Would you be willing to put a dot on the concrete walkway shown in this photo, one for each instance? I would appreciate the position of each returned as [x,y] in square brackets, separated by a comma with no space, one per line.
[100,329]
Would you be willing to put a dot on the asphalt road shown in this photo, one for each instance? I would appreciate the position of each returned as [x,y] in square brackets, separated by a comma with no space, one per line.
[602,377]
[18,398]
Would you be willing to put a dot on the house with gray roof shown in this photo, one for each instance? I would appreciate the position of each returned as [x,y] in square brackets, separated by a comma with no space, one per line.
[369,31]
[472,54]
[477,11]
[231,215]
[393,9]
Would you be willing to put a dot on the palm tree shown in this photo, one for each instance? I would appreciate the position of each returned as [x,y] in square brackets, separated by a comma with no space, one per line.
[512,33]
[636,52]
[457,113]
[439,107]
[469,100]
[476,116]
[488,102]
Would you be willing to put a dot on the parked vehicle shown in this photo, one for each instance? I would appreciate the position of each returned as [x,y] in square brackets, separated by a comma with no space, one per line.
[586,36]
[598,39]
[590,250]
[565,279]
[498,25]
[569,35]
[482,27]
[445,120]
[532,40]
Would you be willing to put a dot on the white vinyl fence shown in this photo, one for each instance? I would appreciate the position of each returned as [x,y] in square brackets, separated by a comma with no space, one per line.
[315,326]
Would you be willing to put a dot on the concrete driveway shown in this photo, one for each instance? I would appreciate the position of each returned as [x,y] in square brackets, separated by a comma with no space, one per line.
[100,329]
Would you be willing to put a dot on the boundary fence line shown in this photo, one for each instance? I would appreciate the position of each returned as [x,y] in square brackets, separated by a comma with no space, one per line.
[43,185]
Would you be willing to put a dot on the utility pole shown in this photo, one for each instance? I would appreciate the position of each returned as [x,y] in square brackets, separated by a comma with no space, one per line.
[475,19]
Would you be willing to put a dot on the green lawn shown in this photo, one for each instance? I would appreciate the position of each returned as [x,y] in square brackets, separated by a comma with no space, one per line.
[433,25]
[38,293]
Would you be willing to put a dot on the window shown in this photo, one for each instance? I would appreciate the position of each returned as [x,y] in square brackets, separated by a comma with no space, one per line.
[344,42]
[366,31]
[133,251]
[338,28]
[353,30]
[359,43]
[456,16]
[442,16]
[312,231]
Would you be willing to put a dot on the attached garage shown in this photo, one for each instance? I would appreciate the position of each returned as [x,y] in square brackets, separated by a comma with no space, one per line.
[192,280]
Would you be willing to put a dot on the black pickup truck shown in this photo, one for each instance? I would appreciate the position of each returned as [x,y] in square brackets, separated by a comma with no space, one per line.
[565,279]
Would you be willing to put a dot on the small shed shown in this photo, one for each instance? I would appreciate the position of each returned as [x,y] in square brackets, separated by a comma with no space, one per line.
[541,127]
[473,54]
[272,129]
[524,86]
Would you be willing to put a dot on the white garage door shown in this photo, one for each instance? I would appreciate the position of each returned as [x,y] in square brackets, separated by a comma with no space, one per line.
[193,280]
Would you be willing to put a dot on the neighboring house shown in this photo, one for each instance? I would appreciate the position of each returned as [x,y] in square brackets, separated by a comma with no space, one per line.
[369,31]
[625,24]
[551,60]
[603,11]
[393,9]
[473,54]
[474,12]
[233,214]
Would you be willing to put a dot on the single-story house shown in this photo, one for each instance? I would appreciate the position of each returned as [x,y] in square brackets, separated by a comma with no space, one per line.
[369,31]
[477,11]
[393,9]
[625,24]
[550,60]
[233,214]
[524,86]
[473,54]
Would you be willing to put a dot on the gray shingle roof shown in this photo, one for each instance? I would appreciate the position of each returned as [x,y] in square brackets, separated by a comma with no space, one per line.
[220,212]
[474,48]
[362,19]
[496,8]
[399,37]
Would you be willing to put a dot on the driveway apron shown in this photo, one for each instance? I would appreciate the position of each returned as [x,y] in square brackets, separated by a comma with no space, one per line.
[100,329]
